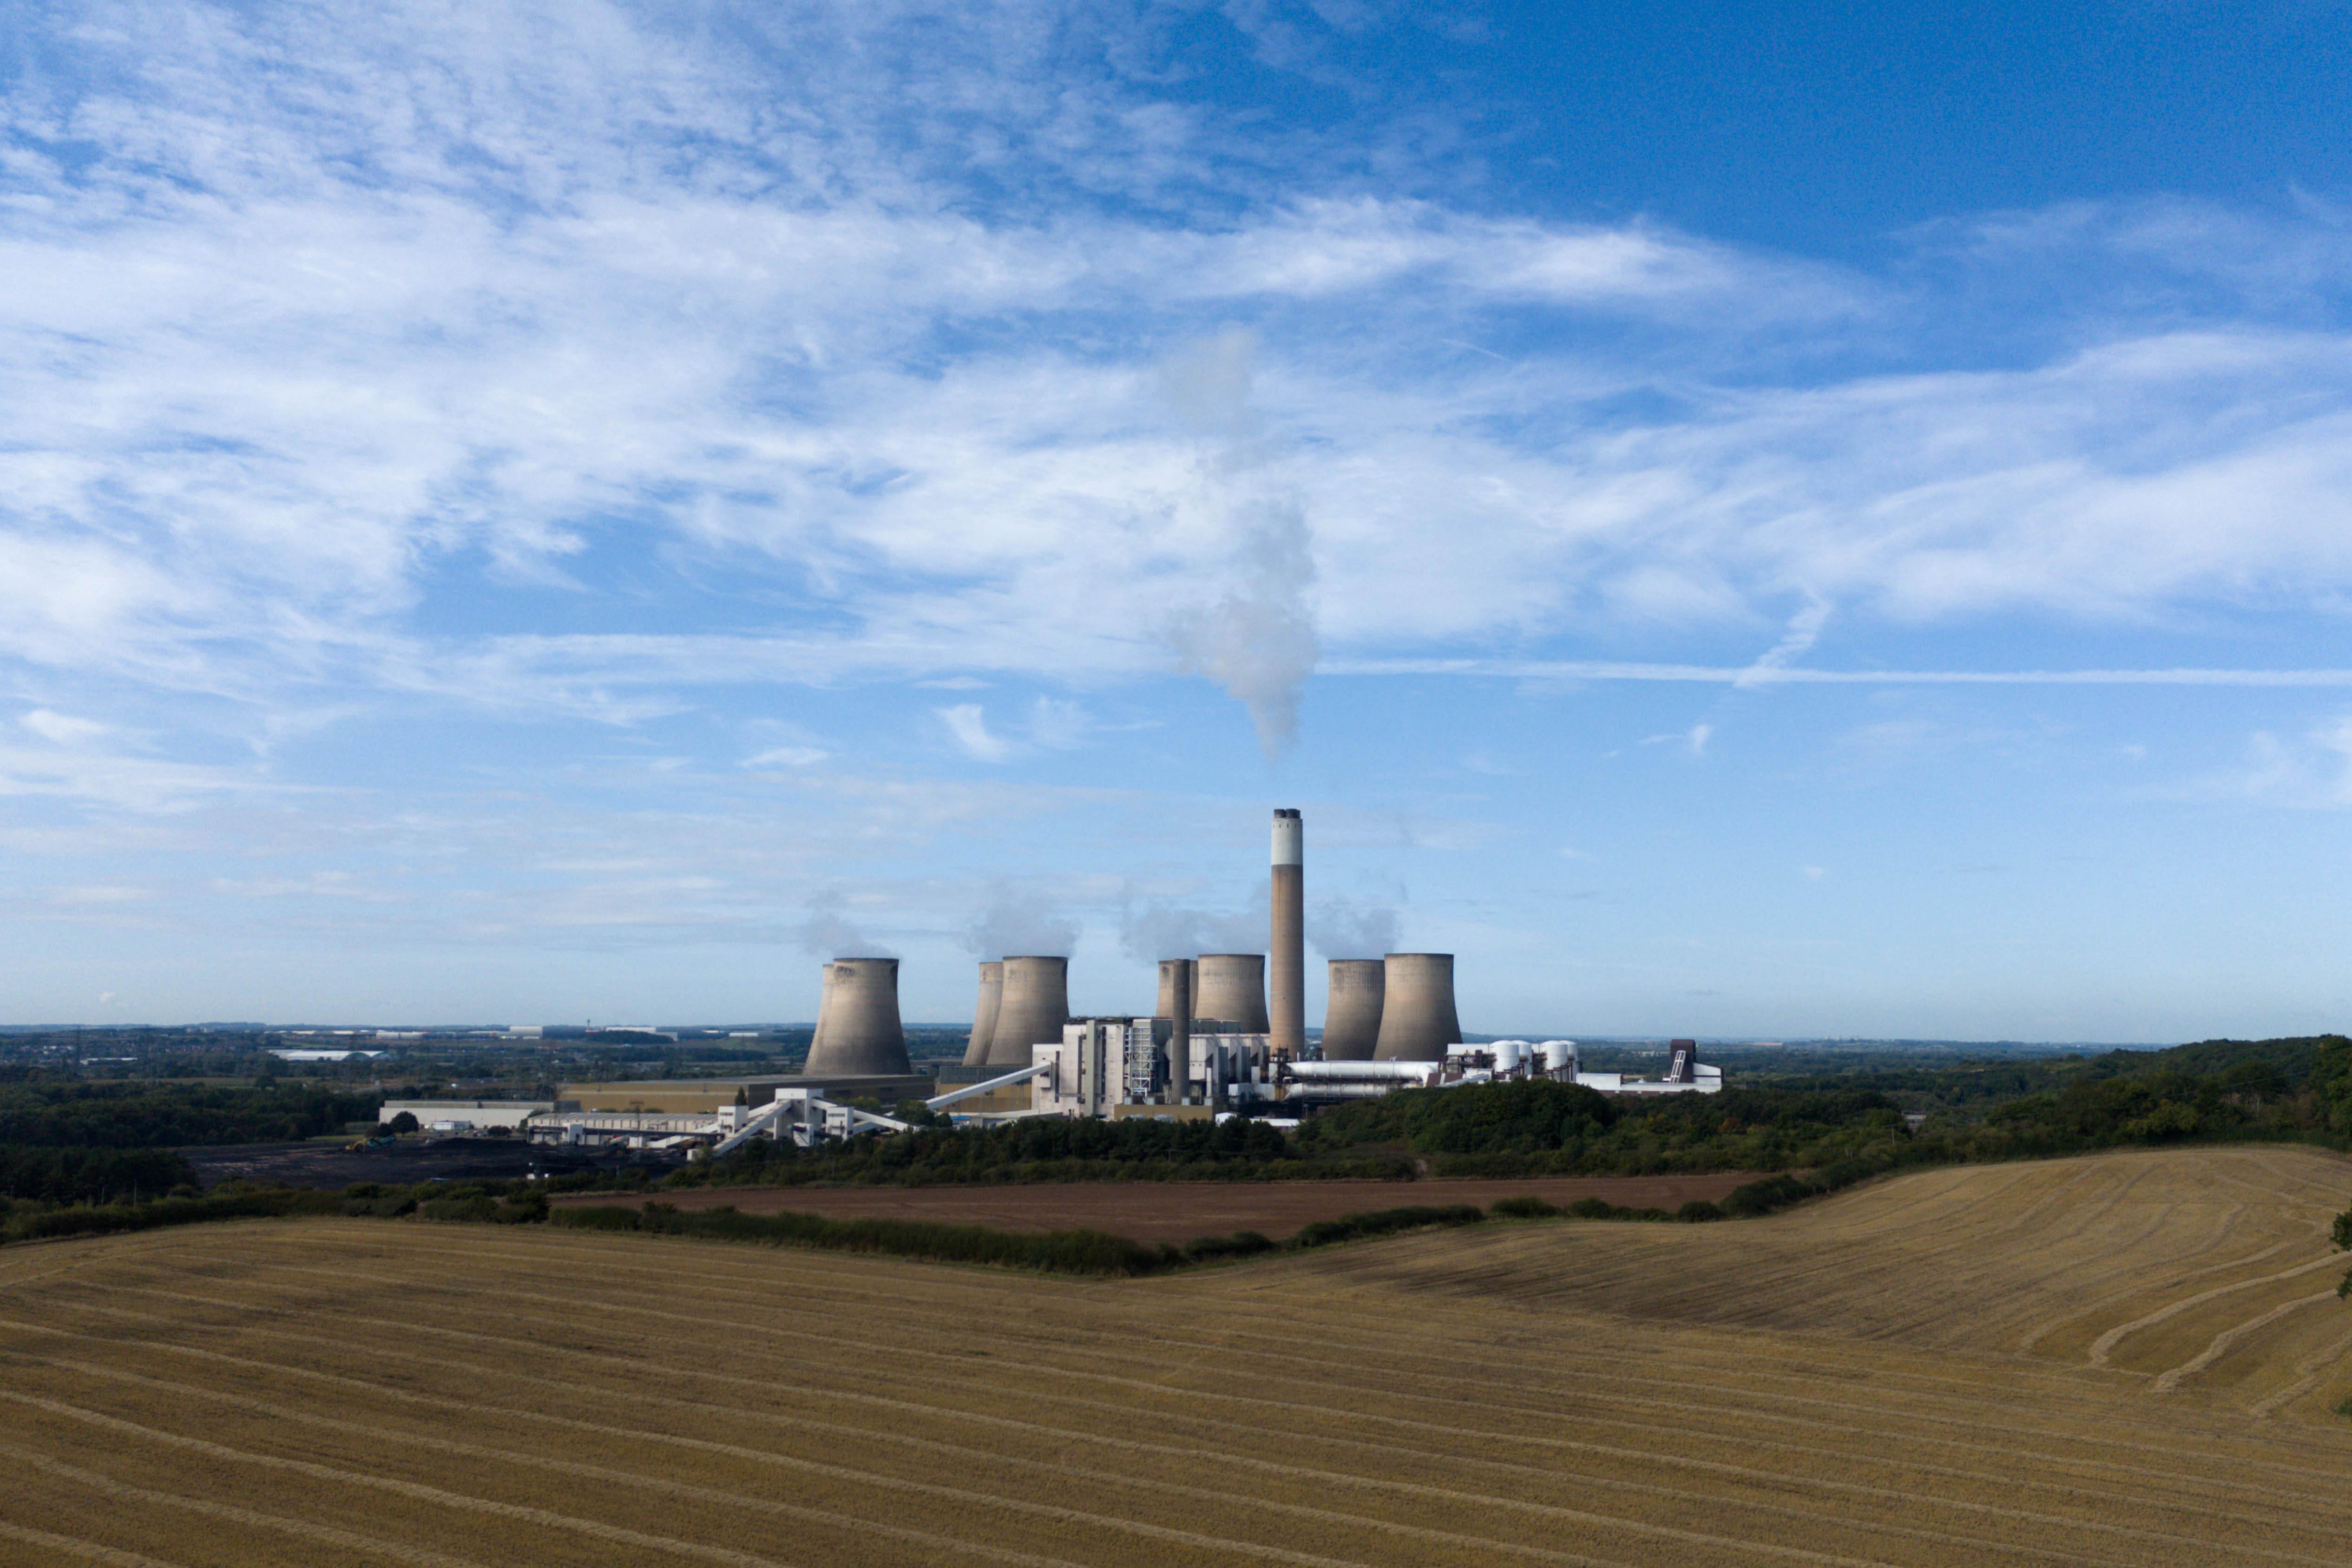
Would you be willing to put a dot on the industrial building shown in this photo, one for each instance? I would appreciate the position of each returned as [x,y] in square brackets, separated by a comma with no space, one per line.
[1227,1035]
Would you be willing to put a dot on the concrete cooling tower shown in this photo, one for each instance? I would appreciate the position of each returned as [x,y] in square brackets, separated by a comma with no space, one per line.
[1417,1018]
[823,1007]
[1166,1007]
[1351,1024]
[1175,1071]
[983,1013]
[1035,1005]
[858,1029]
[1232,991]
[1288,948]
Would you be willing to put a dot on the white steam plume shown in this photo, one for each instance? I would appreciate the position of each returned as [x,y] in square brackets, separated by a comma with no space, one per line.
[1257,640]
[1155,931]
[1020,924]
[830,934]
[1340,929]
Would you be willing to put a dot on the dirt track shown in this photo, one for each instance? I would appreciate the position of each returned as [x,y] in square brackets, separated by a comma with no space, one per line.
[1181,1210]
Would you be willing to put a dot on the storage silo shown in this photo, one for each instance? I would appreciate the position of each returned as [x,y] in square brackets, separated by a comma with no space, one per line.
[1288,940]
[1417,1016]
[984,1012]
[1232,991]
[1351,1021]
[858,1030]
[1035,1005]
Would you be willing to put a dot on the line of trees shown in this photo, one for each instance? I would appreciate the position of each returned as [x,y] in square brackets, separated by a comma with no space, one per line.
[160,1116]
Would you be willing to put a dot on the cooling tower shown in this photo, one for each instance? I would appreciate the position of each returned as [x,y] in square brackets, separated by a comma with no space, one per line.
[1417,1018]
[1176,1006]
[1351,1023]
[1287,1030]
[1167,1006]
[983,1013]
[823,1007]
[1232,991]
[1035,1005]
[858,1029]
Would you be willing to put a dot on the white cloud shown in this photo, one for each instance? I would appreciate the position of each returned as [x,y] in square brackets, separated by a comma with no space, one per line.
[63,729]
[968,726]
[1693,739]
[290,344]
[788,756]
[2312,772]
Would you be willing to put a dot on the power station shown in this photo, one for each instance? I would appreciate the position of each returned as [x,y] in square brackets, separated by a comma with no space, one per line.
[1227,1035]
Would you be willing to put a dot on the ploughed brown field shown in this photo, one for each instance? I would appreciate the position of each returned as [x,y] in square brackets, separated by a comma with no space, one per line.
[1179,1210]
[2124,1361]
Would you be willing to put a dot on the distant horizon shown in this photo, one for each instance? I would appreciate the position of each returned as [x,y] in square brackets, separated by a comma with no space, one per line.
[1472,1037]
[1834,514]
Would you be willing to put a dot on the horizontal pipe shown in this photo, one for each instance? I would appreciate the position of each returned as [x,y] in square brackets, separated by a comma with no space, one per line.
[1341,1071]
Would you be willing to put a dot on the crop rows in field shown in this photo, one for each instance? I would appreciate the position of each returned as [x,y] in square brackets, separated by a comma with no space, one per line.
[316,1391]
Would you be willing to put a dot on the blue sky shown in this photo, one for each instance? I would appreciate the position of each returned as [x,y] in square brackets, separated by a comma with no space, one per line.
[1771,520]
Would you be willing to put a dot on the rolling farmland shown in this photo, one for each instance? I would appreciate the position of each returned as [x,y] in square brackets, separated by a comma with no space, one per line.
[2122,1360]
[1177,1211]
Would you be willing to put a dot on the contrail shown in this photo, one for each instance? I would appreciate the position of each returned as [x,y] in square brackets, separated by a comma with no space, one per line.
[1760,675]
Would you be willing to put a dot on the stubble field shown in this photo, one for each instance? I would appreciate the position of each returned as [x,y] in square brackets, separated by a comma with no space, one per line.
[2117,1361]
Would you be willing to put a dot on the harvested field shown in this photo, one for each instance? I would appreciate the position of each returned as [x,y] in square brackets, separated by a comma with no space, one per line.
[1177,1210]
[278,1393]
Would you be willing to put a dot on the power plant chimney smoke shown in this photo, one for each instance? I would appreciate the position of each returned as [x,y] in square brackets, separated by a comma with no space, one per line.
[1287,1028]
[1232,992]
[1035,1005]
[983,1013]
[1351,1023]
[1417,1016]
[858,1030]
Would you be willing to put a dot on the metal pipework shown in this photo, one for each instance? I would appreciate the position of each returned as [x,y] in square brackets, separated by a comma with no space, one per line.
[1361,1072]
[1176,1005]
[857,1031]
[1417,1018]
[1034,1006]
[1351,1020]
[1232,991]
[984,1012]
[1286,1027]
[969,1090]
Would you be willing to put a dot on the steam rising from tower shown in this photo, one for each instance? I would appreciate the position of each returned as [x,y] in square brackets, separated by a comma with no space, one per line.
[1287,1030]
[857,1028]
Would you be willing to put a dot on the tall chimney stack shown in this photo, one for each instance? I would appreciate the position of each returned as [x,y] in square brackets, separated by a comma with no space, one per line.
[1286,1029]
